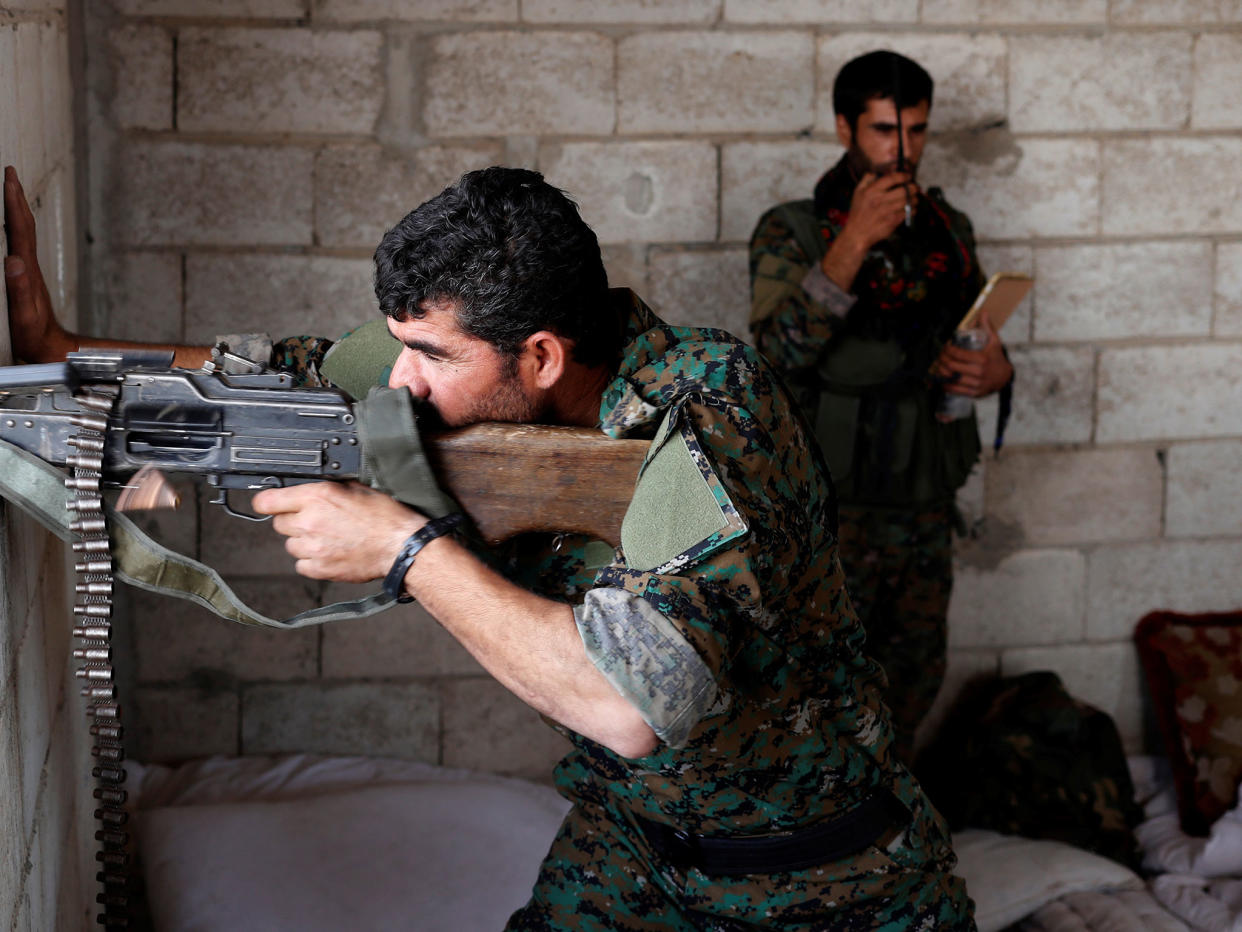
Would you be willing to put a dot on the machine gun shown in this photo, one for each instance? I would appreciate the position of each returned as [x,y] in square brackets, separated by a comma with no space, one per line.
[240,426]
[109,416]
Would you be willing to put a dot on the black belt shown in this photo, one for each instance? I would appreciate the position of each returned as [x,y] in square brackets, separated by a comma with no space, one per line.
[798,849]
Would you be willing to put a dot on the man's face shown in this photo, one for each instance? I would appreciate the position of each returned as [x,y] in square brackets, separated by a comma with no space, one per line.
[872,143]
[464,378]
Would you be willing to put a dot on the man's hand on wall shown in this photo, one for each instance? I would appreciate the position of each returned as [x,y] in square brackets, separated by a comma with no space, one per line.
[974,372]
[877,209]
[36,334]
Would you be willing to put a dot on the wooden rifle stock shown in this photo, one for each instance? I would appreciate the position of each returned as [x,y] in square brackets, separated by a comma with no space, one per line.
[517,478]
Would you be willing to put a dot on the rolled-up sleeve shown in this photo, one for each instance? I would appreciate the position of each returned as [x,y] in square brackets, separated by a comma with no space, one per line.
[648,660]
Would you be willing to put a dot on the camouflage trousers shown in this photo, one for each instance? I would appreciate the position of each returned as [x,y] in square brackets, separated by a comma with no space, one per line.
[600,876]
[899,574]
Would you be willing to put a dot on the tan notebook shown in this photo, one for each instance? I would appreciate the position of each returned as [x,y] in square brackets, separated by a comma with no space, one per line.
[1001,296]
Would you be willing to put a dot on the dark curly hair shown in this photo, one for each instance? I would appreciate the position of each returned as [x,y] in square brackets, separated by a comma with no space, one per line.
[514,255]
[878,76]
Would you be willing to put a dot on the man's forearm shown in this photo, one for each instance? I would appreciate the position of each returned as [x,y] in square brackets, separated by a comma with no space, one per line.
[530,644]
[185,356]
[843,260]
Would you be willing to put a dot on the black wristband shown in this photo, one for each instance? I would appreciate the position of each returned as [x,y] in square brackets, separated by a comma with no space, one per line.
[394,582]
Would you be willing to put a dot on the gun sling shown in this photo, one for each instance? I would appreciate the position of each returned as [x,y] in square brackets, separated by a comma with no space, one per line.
[39,490]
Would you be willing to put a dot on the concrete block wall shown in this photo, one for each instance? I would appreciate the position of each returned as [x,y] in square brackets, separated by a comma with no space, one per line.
[46,829]
[247,154]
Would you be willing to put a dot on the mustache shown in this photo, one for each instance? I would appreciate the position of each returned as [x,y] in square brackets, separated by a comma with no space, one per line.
[428,418]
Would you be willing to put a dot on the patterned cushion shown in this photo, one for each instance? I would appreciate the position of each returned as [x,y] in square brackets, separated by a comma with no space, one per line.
[1193,665]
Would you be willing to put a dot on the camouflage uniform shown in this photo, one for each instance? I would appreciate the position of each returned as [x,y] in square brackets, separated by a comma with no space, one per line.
[859,364]
[788,728]
[743,651]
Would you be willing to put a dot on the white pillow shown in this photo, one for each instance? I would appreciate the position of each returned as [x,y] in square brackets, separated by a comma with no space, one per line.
[436,854]
[1010,877]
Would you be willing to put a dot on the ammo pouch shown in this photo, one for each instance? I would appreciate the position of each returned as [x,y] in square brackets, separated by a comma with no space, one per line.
[875,422]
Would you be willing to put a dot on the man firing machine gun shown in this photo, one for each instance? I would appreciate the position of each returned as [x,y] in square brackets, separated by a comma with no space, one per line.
[732,759]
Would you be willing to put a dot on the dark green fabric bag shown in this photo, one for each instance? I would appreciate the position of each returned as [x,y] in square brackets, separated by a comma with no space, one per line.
[1020,755]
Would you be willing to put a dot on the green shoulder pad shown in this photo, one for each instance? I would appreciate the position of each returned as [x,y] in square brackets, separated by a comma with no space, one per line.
[362,359]
[681,512]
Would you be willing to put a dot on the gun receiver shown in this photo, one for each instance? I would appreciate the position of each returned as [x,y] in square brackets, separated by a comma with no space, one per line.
[253,429]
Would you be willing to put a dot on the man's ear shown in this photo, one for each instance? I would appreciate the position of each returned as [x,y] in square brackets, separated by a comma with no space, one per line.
[844,134]
[544,358]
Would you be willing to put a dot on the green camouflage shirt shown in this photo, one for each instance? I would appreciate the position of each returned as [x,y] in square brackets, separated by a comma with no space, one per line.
[795,730]
[787,726]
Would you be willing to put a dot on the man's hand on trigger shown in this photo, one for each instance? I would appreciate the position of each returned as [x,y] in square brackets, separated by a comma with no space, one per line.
[342,531]
[974,372]
[36,334]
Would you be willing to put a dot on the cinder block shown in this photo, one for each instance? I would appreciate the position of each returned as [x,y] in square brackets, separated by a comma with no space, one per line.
[376,719]
[1228,291]
[494,83]
[1118,81]
[964,667]
[714,82]
[401,642]
[487,728]
[646,192]
[191,193]
[1138,200]
[1017,188]
[12,814]
[1077,497]
[969,71]
[995,12]
[1032,597]
[255,9]
[57,630]
[1021,260]
[172,724]
[1124,583]
[626,265]
[821,12]
[284,295]
[462,11]
[755,176]
[1054,393]
[1174,12]
[57,94]
[175,640]
[11,150]
[1113,292]
[1106,676]
[702,288]
[34,715]
[31,136]
[1218,67]
[141,296]
[646,12]
[363,191]
[142,65]
[1204,489]
[52,209]
[24,544]
[278,80]
[1144,393]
